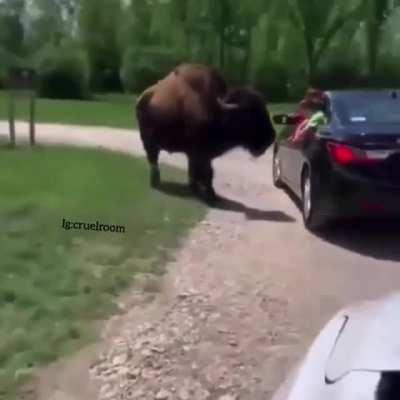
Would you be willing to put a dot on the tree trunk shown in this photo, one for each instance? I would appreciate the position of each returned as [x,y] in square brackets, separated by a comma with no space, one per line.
[247,50]
[310,52]
[222,23]
[373,40]
[222,46]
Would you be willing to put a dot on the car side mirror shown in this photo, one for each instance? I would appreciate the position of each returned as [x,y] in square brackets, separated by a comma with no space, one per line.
[284,119]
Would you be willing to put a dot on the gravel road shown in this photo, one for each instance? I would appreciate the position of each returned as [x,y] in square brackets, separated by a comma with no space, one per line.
[247,292]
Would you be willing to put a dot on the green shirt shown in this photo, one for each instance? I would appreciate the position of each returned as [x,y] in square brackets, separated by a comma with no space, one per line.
[317,120]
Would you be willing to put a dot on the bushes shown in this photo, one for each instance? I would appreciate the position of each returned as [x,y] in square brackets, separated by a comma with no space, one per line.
[297,85]
[271,79]
[106,80]
[7,60]
[387,74]
[339,75]
[342,75]
[2,79]
[64,74]
[142,67]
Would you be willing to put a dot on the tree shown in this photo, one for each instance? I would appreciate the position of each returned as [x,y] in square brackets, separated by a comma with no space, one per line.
[261,30]
[319,22]
[11,27]
[12,7]
[377,12]
[99,33]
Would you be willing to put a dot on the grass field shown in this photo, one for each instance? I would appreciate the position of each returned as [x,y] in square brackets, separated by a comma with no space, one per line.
[113,110]
[53,282]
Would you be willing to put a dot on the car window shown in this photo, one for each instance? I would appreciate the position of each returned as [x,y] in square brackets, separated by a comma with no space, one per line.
[328,110]
[377,109]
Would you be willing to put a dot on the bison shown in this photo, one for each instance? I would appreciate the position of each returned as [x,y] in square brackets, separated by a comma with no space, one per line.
[192,111]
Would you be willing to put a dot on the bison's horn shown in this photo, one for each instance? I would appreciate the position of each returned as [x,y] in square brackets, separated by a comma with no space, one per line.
[227,106]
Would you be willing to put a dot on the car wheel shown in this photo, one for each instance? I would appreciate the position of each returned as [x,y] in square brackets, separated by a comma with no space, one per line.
[277,170]
[312,216]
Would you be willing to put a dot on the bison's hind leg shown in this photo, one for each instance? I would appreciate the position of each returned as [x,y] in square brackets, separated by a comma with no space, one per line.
[194,176]
[155,177]
[152,156]
[201,176]
[148,137]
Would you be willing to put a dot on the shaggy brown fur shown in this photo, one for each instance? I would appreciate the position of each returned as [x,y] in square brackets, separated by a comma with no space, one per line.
[191,111]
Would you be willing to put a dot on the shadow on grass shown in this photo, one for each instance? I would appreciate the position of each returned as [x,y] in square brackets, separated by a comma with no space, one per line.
[182,190]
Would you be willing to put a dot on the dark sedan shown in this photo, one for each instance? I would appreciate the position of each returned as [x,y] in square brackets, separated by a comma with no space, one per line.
[349,166]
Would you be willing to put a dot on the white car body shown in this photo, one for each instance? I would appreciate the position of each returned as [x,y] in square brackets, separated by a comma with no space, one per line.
[346,359]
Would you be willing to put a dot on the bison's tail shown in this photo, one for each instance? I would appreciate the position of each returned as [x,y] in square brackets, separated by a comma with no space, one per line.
[143,102]
[144,98]
[142,110]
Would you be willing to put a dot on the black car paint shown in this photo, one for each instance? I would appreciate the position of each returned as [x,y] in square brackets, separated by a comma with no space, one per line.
[342,189]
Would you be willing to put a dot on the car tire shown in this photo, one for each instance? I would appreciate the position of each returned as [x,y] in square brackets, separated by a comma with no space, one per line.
[276,170]
[313,218]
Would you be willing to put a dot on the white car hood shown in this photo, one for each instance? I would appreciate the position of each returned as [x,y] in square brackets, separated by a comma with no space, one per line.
[370,339]
[345,361]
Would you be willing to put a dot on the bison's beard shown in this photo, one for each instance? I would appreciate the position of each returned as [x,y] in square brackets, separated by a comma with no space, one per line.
[256,153]
[259,148]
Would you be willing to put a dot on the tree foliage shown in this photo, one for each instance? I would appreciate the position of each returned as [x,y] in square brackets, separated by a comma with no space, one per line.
[279,46]
[99,30]
[63,74]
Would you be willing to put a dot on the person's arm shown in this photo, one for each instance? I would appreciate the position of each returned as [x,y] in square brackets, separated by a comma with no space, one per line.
[300,131]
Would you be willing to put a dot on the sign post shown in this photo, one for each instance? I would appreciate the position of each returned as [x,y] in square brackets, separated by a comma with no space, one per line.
[22,80]
[11,117]
[32,119]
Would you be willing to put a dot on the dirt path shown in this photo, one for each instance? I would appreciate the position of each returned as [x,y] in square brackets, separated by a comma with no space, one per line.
[246,294]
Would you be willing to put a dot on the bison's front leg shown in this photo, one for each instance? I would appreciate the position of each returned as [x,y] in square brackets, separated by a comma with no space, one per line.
[207,177]
[194,176]
[155,176]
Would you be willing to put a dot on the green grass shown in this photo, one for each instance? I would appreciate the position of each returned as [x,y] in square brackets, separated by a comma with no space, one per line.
[112,110]
[107,110]
[53,282]
[281,108]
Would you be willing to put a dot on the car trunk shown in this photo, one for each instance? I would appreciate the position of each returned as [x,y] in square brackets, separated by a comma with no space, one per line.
[380,155]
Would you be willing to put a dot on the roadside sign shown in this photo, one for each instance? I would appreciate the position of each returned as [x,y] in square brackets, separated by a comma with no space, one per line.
[22,78]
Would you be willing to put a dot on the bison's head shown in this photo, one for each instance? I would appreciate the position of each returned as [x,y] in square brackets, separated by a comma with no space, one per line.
[246,118]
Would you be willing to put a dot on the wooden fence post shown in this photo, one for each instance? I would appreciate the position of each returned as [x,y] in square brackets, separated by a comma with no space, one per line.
[22,80]
[32,110]
[11,117]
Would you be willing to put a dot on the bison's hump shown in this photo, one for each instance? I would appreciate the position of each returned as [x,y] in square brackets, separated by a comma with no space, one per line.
[203,79]
[187,92]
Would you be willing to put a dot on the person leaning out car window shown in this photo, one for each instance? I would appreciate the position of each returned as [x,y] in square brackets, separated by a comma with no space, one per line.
[312,114]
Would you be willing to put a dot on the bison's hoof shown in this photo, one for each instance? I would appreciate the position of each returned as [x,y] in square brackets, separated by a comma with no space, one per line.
[195,188]
[155,183]
[211,197]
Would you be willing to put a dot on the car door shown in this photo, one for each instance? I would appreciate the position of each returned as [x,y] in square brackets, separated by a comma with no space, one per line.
[299,147]
[284,140]
[291,148]
[284,135]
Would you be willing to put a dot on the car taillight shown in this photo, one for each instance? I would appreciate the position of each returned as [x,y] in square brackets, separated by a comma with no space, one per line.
[348,155]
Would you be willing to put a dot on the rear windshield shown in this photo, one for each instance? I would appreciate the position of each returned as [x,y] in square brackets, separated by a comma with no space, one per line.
[368,108]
